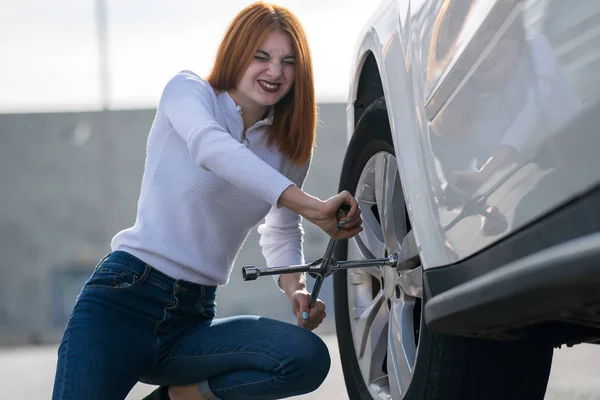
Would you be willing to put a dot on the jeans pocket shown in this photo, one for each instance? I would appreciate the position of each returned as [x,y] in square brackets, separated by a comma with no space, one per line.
[112,276]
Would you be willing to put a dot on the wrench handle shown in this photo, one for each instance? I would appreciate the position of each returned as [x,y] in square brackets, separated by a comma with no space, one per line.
[343,211]
[251,273]
[315,292]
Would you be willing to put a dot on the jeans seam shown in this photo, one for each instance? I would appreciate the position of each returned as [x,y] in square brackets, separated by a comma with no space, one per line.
[137,279]
[243,384]
[64,369]
[122,264]
[153,283]
[229,353]
[133,285]
[155,362]
[156,353]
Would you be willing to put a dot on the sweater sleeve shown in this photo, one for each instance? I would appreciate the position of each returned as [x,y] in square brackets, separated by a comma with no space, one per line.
[186,103]
[281,234]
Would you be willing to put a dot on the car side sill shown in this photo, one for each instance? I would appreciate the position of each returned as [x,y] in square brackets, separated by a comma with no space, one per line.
[559,283]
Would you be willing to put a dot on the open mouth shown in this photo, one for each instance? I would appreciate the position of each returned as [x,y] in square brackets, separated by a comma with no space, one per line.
[269,87]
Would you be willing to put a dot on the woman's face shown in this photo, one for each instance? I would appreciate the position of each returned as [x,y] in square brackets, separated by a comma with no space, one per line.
[271,73]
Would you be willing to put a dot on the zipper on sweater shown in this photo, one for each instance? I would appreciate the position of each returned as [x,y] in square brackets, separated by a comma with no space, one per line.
[244,137]
[239,109]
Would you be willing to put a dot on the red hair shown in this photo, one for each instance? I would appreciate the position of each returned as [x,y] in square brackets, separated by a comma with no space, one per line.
[294,122]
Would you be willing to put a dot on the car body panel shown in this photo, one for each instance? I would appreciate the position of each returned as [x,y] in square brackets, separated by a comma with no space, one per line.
[381,38]
[512,76]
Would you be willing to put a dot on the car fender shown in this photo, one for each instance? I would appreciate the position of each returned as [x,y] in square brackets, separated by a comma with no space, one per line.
[381,37]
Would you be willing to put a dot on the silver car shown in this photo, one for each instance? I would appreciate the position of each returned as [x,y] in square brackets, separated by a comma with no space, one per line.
[473,151]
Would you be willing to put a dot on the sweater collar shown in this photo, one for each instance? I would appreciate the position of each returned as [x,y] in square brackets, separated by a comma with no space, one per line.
[233,110]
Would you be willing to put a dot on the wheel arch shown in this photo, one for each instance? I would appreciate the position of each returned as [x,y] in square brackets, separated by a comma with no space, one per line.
[369,87]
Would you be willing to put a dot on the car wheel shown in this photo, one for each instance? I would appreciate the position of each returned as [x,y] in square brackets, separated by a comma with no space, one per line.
[386,350]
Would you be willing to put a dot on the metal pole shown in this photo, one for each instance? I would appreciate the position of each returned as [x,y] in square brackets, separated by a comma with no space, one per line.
[102,32]
[106,143]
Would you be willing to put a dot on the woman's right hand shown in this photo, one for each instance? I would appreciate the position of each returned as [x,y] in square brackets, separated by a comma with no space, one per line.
[326,218]
[324,213]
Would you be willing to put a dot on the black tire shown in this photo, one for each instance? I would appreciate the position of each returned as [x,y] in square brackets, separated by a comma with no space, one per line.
[447,368]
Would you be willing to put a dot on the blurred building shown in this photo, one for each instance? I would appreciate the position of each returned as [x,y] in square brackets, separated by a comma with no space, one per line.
[70,181]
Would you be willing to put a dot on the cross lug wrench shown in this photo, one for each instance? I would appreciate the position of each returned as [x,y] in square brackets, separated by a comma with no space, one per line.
[321,268]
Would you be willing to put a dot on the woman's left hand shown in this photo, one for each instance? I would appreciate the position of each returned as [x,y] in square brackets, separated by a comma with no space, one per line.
[307,318]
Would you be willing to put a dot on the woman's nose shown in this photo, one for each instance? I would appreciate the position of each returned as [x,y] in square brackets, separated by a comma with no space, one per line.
[274,70]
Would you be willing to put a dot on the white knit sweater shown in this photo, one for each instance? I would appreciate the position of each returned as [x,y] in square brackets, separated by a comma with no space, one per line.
[203,190]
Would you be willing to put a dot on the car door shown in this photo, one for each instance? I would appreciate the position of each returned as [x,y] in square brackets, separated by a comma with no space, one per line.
[499,102]
[465,48]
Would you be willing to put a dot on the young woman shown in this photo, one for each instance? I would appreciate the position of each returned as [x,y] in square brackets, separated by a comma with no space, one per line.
[222,155]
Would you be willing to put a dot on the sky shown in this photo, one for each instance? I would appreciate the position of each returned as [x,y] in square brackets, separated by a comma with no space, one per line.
[50,54]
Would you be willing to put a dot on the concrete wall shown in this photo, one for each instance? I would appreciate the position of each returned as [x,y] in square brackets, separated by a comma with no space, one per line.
[70,181]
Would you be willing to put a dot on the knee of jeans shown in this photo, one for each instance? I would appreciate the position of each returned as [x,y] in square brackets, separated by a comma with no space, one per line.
[313,362]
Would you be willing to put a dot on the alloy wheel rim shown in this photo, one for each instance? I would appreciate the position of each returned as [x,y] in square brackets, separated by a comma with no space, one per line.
[384,319]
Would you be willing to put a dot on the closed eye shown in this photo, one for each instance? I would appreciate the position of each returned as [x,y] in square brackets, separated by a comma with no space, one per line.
[264,56]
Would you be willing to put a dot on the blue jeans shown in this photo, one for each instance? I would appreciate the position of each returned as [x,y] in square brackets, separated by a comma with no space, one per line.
[133,323]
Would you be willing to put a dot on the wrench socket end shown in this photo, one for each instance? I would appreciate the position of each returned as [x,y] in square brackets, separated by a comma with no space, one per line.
[250,273]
